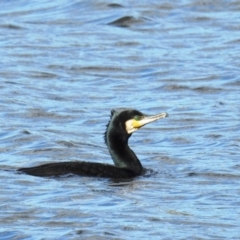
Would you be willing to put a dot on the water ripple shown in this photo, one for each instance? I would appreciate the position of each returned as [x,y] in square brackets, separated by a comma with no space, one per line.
[66,64]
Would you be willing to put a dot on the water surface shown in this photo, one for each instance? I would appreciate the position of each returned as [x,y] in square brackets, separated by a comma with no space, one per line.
[66,64]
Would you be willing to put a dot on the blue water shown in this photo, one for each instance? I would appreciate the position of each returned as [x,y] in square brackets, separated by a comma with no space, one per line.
[66,64]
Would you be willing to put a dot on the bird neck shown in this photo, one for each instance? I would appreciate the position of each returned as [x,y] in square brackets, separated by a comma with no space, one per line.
[126,158]
[121,153]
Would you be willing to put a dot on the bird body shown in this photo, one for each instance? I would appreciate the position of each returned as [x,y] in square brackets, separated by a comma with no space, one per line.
[120,127]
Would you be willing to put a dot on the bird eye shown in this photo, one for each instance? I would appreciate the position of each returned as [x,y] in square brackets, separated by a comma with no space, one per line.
[137,118]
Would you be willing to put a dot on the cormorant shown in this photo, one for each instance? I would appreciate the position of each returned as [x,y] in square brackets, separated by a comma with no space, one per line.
[120,127]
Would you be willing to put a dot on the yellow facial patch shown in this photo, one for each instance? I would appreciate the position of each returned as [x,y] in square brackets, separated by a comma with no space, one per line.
[133,125]
[129,126]
[136,124]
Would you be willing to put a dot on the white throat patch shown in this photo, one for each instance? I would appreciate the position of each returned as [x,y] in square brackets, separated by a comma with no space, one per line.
[129,126]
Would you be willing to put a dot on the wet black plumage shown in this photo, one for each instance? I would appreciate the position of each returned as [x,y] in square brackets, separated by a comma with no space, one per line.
[120,127]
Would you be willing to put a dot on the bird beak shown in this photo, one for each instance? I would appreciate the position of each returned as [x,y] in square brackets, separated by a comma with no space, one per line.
[145,120]
[133,125]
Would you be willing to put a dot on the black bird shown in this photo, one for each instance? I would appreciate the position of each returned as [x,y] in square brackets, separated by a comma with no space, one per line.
[120,127]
